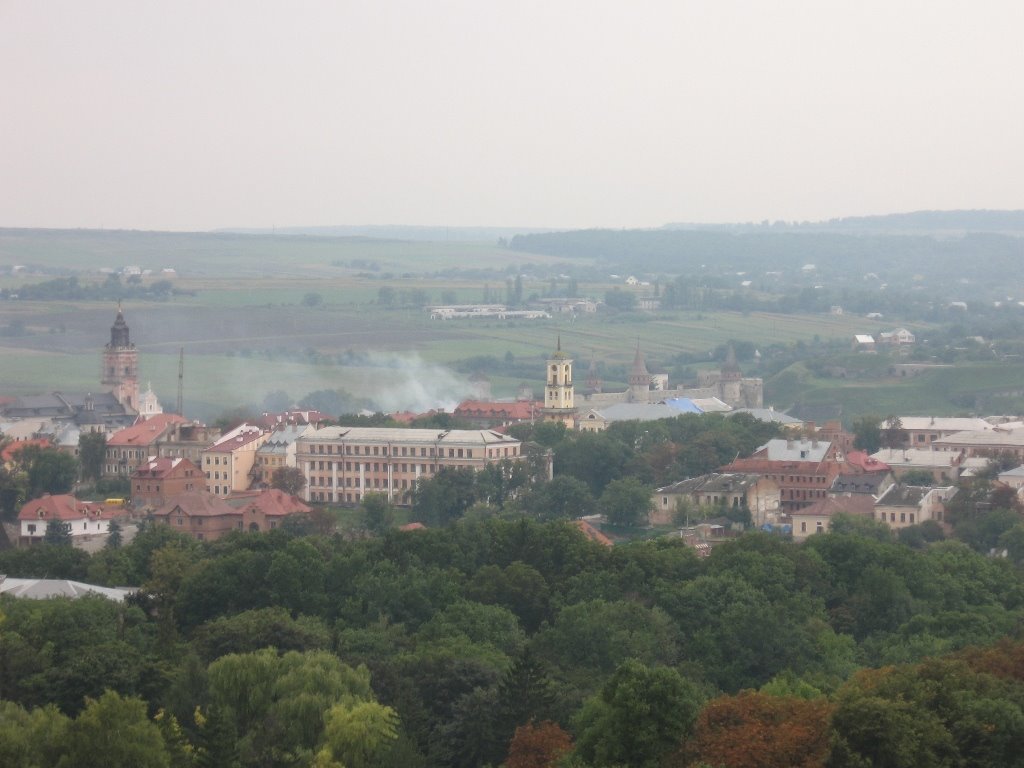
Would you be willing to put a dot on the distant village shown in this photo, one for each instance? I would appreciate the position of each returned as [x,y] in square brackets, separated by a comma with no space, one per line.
[207,482]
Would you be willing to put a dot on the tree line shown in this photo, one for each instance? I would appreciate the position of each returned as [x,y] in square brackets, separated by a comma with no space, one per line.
[484,641]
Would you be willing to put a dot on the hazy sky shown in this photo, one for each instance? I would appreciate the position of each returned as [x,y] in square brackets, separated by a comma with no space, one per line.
[197,114]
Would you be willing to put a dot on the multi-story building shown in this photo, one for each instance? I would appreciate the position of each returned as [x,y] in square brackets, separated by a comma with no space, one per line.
[186,440]
[158,480]
[734,490]
[804,469]
[228,463]
[922,431]
[130,447]
[488,414]
[342,463]
[905,505]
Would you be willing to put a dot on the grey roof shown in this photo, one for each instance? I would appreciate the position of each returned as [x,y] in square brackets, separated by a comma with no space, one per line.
[42,589]
[282,437]
[1015,472]
[767,414]
[904,496]
[400,435]
[868,482]
[714,482]
[781,449]
[997,438]
[637,412]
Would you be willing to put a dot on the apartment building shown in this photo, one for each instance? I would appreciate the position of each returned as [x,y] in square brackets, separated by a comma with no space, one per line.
[342,463]
[228,463]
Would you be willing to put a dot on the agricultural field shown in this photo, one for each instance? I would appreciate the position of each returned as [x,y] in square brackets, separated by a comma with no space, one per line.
[242,313]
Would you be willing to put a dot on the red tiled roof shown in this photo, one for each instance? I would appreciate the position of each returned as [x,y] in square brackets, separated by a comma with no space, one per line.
[197,504]
[160,468]
[233,441]
[592,533]
[862,462]
[63,507]
[520,410]
[857,504]
[412,527]
[271,501]
[760,464]
[145,432]
[12,448]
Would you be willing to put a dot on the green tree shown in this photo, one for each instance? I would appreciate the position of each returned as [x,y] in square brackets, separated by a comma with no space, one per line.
[29,739]
[640,716]
[376,512]
[114,536]
[626,502]
[892,433]
[58,533]
[445,497]
[13,487]
[92,451]
[114,732]
[291,480]
[867,434]
[51,471]
[563,498]
[357,736]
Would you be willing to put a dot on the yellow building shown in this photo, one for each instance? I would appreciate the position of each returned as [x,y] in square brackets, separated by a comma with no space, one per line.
[229,462]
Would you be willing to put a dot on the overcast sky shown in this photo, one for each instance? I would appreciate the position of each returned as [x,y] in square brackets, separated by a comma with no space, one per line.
[199,114]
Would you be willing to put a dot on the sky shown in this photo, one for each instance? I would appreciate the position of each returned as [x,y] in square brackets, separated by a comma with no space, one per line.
[205,114]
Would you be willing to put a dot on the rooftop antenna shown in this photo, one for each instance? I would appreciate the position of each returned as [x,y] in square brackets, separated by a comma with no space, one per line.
[181,379]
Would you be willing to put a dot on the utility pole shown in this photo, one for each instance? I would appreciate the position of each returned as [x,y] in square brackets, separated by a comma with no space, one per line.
[181,380]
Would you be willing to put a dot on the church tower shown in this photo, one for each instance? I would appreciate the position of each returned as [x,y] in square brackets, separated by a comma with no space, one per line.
[559,401]
[121,364]
[639,379]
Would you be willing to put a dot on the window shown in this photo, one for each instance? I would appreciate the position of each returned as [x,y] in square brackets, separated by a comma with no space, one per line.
[31,528]
[803,526]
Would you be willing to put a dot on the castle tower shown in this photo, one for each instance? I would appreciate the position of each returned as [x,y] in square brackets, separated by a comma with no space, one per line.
[639,379]
[121,364]
[730,382]
[559,401]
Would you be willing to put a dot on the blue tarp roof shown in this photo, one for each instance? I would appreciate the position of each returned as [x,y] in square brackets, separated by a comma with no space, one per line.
[684,405]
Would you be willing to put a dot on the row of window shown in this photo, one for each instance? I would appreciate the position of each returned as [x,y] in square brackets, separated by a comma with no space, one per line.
[353,482]
[382,450]
[376,466]
[892,517]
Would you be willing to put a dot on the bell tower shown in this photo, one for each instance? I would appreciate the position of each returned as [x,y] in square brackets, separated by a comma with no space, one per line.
[121,364]
[559,401]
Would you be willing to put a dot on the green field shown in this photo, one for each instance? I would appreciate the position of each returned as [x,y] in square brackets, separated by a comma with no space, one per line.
[246,330]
